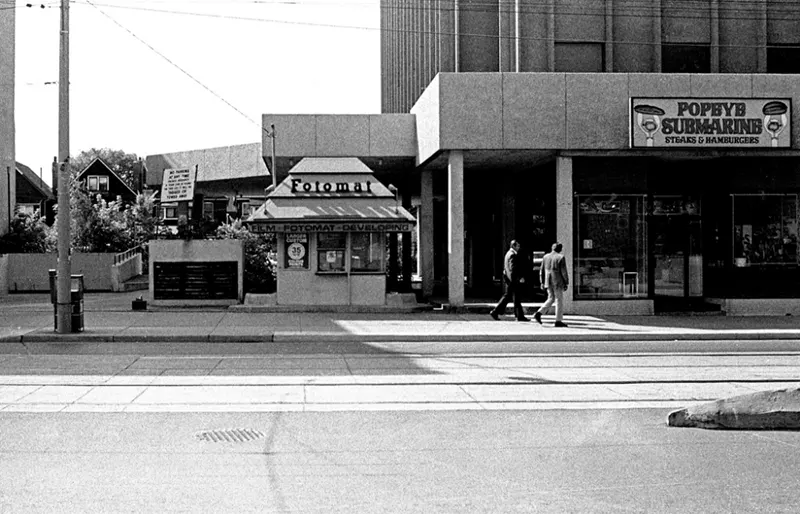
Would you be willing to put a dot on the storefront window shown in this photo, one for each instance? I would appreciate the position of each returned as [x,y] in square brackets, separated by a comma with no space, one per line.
[366,252]
[764,230]
[331,250]
[610,256]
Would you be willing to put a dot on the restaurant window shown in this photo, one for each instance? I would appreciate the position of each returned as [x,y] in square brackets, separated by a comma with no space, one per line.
[331,251]
[764,230]
[692,58]
[367,252]
[610,256]
[97,183]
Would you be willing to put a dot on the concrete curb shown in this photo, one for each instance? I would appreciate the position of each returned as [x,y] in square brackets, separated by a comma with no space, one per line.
[46,336]
[765,410]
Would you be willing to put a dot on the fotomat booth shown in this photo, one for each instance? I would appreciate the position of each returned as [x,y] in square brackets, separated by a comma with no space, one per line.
[332,219]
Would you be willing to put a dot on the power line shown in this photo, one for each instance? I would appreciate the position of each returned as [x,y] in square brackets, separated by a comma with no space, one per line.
[432,32]
[171,62]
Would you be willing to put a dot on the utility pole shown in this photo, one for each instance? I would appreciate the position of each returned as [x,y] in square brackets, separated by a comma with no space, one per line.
[271,135]
[64,272]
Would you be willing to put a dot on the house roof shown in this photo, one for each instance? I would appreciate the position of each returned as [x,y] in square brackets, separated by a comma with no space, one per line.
[35,181]
[333,190]
[100,162]
[221,163]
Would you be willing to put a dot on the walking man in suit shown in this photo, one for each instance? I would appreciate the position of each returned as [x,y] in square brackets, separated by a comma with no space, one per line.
[513,277]
[553,275]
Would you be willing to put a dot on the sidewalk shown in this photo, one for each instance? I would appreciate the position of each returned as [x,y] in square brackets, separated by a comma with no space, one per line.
[108,317]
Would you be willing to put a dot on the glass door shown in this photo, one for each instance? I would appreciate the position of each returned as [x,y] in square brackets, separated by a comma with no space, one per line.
[676,252]
[669,255]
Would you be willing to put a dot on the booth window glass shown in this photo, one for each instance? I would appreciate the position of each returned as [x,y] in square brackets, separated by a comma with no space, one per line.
[610,256]
[331,251]
[764,230]
[366,251]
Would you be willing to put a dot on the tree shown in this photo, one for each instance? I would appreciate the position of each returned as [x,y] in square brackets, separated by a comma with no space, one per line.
[120,162]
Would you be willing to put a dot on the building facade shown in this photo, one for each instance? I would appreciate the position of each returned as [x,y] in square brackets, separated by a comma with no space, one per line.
[524,122]
[420,38]
[7,152]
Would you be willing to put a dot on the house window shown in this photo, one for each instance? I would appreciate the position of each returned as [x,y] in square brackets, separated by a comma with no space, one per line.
[98,183]
[170,213]
[579,57]
[28,208]
[764,230]
[331,250]
[208,210]
[366,252]
[686,58]
[783,59]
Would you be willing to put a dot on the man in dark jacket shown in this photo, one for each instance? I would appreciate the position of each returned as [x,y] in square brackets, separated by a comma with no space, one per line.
[513,276]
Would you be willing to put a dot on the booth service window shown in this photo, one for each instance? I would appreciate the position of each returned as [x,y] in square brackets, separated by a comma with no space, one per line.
[365,249]
[331,250]
[366,252]
[764,230]
[610,256]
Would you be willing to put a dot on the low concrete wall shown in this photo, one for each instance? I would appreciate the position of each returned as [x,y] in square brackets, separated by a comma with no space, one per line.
[125,271]
[200,250]
[28,272]
[611,307]
[759,306]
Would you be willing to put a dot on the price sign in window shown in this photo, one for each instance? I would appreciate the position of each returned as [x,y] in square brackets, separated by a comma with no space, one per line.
[331,250]
[296,251]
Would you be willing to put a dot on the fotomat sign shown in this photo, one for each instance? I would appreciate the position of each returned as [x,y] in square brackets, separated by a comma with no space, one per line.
[710,122]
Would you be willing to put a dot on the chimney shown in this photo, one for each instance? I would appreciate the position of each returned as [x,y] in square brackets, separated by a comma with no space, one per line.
[55,176]
[138,175]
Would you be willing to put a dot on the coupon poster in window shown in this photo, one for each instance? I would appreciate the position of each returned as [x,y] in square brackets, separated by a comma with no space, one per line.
[296,251]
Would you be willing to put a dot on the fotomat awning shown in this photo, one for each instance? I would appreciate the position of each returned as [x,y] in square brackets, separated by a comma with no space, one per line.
[331,195]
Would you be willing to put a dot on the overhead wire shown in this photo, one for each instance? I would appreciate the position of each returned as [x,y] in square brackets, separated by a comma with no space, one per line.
[444,33]
[178,67]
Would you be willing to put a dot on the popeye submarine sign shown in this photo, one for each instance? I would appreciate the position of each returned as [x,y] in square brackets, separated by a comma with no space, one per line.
[710,122]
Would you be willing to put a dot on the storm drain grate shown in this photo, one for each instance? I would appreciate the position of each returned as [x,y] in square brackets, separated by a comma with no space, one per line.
[231,435]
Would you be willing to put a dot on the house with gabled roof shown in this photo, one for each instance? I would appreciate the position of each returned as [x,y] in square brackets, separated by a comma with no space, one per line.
[101,180]
[32,194]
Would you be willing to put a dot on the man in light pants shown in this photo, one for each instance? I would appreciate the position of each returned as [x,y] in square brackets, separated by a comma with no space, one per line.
[554,278]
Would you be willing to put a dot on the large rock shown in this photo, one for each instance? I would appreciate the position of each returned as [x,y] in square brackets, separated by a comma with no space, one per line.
[765,410]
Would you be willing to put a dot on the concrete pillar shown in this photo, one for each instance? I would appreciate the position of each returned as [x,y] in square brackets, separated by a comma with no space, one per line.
[455,228]
[762,36]
[609,46]
[405,256]
[425,241]
[714,12]
[564,220]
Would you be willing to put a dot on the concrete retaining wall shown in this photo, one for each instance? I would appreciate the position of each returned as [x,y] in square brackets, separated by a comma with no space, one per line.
[28,272]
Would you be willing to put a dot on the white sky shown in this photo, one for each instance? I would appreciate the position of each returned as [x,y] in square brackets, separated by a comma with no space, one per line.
[124,96]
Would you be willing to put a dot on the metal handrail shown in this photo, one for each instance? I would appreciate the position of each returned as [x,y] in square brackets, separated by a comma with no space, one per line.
[127,254]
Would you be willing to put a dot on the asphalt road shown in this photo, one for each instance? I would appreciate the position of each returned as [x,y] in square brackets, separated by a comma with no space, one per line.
[554,461]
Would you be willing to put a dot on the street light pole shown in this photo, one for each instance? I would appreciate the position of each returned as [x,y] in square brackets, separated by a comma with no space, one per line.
[63,296]
[274,171]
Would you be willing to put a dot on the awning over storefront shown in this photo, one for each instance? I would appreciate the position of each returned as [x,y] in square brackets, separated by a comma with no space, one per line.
[331,195]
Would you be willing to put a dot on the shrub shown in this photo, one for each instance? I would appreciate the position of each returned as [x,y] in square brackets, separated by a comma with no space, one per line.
[26,234]
[259,252]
